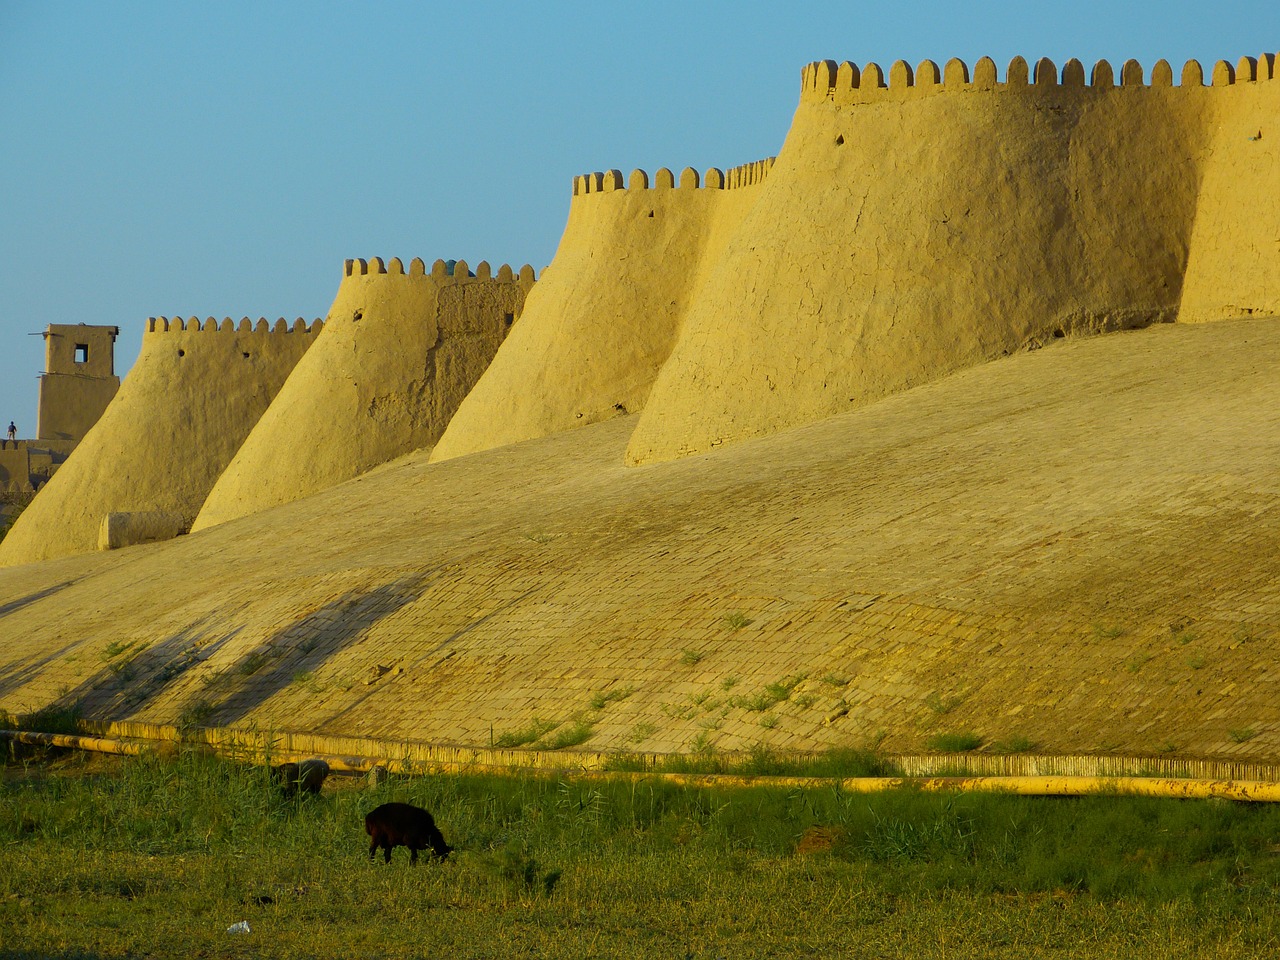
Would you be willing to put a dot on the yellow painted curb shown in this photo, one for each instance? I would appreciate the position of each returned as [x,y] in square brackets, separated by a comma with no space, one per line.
[1185,788]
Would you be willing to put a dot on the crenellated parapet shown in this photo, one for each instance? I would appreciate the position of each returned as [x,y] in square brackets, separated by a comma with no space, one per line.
[442,271]
[228,325]
[748,174]
[611,181]
[847,83]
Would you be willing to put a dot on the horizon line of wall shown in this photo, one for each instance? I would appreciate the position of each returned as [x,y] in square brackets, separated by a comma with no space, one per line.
[823,78]
[610,181]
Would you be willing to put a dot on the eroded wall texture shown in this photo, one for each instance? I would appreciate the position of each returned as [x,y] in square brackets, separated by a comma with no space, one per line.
[398,353]
[191,398]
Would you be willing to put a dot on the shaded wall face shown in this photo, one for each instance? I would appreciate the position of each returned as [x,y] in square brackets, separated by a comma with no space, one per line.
[70,405]
[15,470]
[184,409]
[600,322]
[898,240]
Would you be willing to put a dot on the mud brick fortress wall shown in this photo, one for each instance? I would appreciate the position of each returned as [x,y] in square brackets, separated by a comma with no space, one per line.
[1075,544]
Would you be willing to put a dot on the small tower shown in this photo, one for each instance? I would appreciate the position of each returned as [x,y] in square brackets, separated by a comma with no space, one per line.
[79,380]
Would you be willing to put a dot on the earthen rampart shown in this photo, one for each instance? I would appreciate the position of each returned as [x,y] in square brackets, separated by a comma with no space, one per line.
[400,350]
[905,233]
[194,393]
[602,321]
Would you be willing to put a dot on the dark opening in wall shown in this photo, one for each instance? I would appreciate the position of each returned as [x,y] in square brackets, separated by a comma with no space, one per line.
[182,353]
[508,318]
[82,353]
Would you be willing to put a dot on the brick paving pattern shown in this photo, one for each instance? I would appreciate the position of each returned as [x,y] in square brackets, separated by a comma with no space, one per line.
[1075,548]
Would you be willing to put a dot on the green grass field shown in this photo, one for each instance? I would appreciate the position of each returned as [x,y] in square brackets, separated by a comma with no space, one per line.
[154,857]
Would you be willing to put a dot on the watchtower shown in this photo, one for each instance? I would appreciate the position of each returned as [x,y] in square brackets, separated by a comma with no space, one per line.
[79,380]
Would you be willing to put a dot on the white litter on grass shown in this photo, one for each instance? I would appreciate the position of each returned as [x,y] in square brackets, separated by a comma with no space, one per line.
[241,927]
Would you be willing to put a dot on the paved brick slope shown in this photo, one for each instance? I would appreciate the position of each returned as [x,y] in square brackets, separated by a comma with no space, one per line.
[1075,547]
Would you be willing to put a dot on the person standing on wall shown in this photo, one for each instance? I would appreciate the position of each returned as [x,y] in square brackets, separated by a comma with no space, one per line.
[13,433]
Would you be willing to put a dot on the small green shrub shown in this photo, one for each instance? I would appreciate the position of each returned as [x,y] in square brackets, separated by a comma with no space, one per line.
[251,664]
[52,719]
[1242,734]
[942,705]
[306,679]
[736,620]
[689,657]
[780,690]
[196,714]
[642,731]
[580,731]
[1137,662]
[756,703]
[114,649]
[518,738]
[523,872]
[603,698]
[954,742]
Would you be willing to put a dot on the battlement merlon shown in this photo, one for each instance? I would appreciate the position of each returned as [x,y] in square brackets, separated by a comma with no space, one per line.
[845,83]
[442,271]
[228,326]
[611,181]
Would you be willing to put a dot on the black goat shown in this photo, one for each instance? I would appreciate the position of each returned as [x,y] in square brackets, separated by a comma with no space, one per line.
[404,825]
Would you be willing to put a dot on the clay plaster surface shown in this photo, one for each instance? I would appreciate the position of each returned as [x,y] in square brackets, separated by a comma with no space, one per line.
[1077,545]
[186,406]
[397,355]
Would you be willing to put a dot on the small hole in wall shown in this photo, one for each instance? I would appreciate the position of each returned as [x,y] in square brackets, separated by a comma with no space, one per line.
[508,318]
[245,355]
[650,214]
[1058,334]
[182,353]
[840,140]
[358,315]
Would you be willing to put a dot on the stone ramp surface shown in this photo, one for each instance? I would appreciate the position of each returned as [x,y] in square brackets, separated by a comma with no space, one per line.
[1074,547]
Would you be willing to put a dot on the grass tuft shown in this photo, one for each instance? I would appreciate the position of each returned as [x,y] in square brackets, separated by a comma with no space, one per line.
[602,698]
[518,738]
[954,742]
[578,732]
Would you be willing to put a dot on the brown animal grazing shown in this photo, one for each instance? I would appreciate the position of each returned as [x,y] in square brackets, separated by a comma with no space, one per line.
[403,825]
[307,776]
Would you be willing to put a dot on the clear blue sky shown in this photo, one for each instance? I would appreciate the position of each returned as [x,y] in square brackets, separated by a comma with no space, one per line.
[222,159]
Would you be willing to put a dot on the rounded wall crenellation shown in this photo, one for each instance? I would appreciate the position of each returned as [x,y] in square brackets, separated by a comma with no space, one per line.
[448,271]
[611,181]
[847,83]
[228,325]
